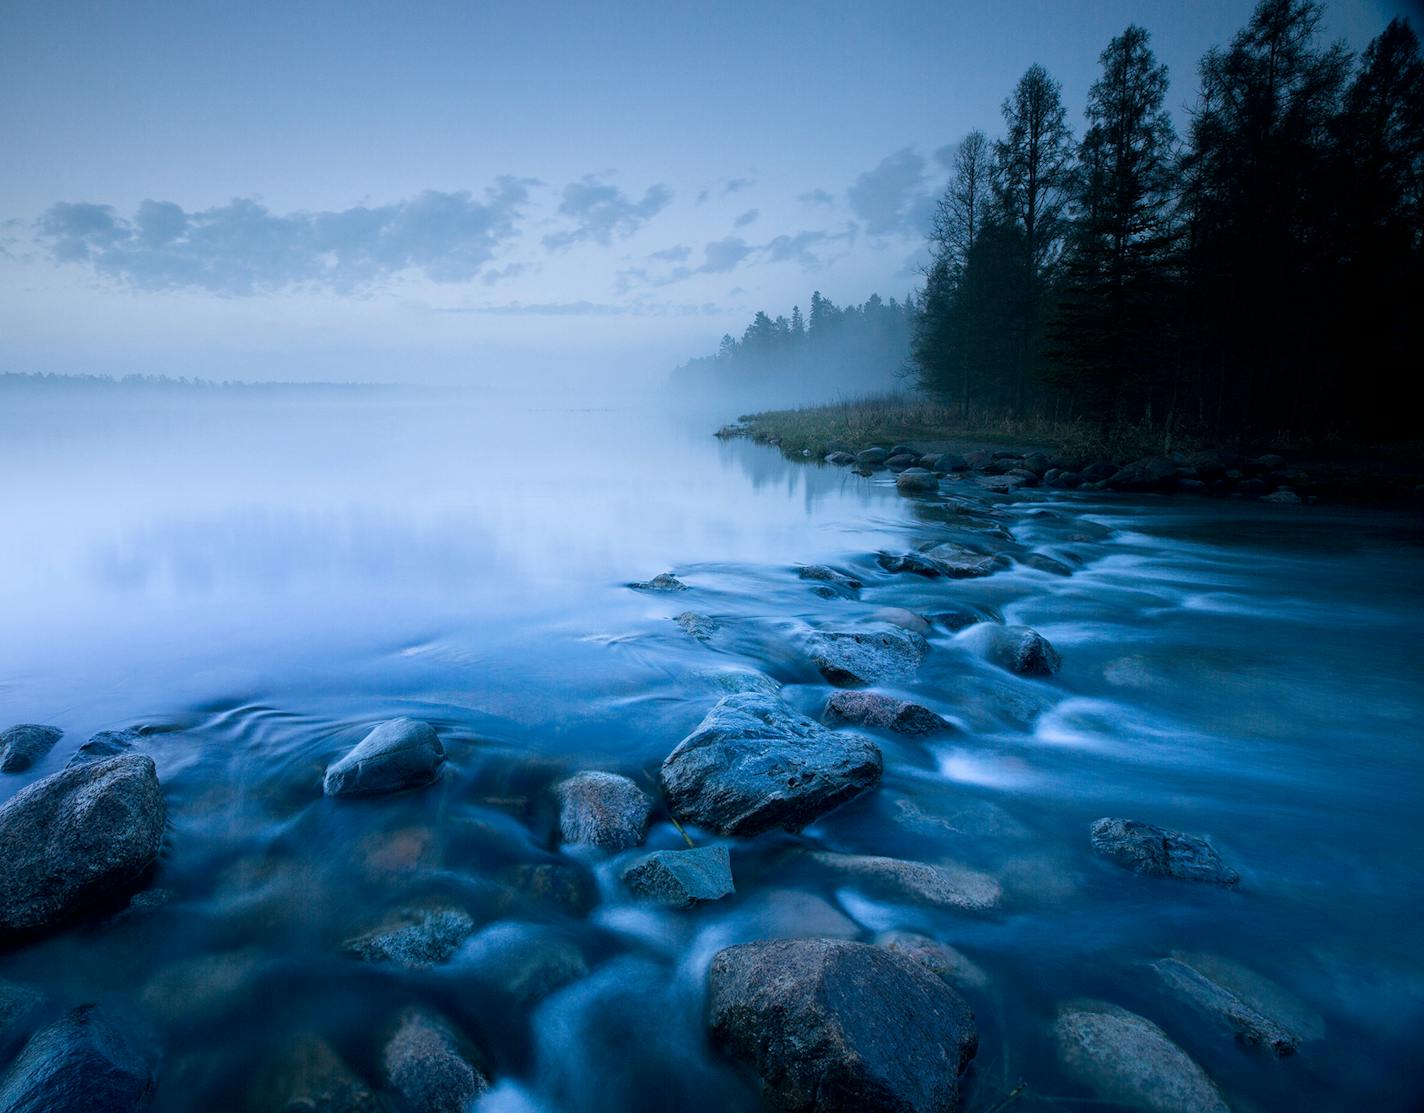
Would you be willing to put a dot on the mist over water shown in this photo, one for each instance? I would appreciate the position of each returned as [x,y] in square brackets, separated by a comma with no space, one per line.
[257,582]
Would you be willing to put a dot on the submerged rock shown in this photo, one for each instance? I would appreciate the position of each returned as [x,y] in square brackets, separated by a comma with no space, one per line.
[697,625]
[1127,1059]
[398,754]
[603,810]
[916,481]
[84,1062]
[820,573]
[309,1077]
[1003,484]
[1258,1013]
[527,962]
[959,562]
[1019,649]
[18,1005]
[24,744]
[872,709]
[837,1027]
[682,878]
[940,959]
[1156,852]
[754,764]
[1041,562]
[76,838]
[663,581]
[107,743]
[415,938]
[944,886]
[840,458]
[422,1062]
[917,563]
[850,657]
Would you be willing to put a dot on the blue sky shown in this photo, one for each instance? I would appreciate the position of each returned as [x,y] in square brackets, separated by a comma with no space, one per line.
[438,192]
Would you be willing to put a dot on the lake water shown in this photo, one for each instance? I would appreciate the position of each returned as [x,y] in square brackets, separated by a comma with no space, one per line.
[256,582]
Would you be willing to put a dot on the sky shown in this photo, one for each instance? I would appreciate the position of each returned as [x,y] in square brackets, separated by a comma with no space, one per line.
[482,192]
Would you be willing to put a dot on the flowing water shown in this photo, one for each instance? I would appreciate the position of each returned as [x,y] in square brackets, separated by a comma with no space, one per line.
[255,582]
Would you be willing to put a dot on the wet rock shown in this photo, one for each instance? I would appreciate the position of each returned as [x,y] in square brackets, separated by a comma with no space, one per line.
[663,581]
[697,625]
[387,855]
[1066,480]
[203,989]
[1040,562]
[682,878]
[309,1077]
[840,458]
[838,1027]
[957,620]
[940,959]
[85,1062]
[872,709]
[107,743]
[1153,473]
[414,938]
[917,563]
[944,462]
[980,460]
[945,885]
[1019,649]
[398,754]
[1003,484]
[959,562]
[850,657]
[560,884]
[754,764]
[1258,1013]
[24,744]
[1283,497]
[18,1005]
[742,680]
[871,457]
[898,461]
[1036,462]
[76,838]
[916,481]
[1156,852]
[903,618]
[903,450]
[820,573]
[1125,1058]
[423,1063]
[602,810]
[527,962]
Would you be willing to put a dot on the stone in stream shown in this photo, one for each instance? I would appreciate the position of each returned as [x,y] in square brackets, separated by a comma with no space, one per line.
[682,878]
[107,743]
[1041,562]
[902,617]
[1156,852]
[871,457]
[699,626]
[18,1005]
[423,1063]
[1284,497]
[1256,1012]
[85,1062]
[1019,649]
[663,581]
[1153,473]
[940,959]
[24,744]
[831,1026]
[1003,484]
[959,562]
[414,938]
[77,838]
[916,481]
[309,1077]
[820,573]
[872,709]
[917,563]
[899,461]
[945,885]
[603,810]
[945,462]
[754,764]
[1126,1059]
[852,657]
[398,754]
[841,458]
[527,962]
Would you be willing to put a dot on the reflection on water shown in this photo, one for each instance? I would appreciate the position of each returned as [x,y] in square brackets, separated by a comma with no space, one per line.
[260,582]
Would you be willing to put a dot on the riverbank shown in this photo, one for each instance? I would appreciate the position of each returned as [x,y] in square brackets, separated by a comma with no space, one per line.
[1139,460]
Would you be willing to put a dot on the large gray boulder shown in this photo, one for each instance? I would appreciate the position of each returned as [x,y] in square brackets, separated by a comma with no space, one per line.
[916,481]
[76,838]
[423,1063]
[1153,473]
[1156,852]
[754,764]
[682,878]
[831,1026]
[872,709]
[415,938]
[942,885]
[398,754]
[1256,1012]
[107,743]
[1019,649]
[852,657]
[82,1063]
[1126,1059]
[959,562]
[24,744]
[602,810]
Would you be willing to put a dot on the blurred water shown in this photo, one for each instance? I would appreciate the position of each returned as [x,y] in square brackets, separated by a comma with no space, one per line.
[259,582]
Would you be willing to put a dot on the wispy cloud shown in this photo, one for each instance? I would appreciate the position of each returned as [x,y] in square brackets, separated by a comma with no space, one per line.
[637,308]
[892,199]
[816,197]
[600,211]
[807,248]
[748,217]
[243,248]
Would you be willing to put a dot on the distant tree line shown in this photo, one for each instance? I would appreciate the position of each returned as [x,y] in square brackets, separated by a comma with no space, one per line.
[816,356]
[1261,273]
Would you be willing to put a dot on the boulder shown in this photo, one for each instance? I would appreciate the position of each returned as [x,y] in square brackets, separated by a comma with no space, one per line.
[1125,1058]
[902,617]
[18,1005]
[415,938]
[959,562]
[820,573]
[398,754]
[699,626]
[900,461]
[945,885]
[916,481]
[682,878]
[309,1077]
[107,743]
[527,962]
[917,563]
[24,744]
[1153,473]
[903,450]
[871,709]
[1019,649]
[940,959]
[871,457]
[831,1026]
[1284,497]
[1041,562]
[77,838]
[754,764]
[943,462]
[840,458]
[602,810]
[980,460]
[1099,471]
[852,657]
[663,581]
[422,1063]
[85,1062]
[1156,852]
[1217,989]
[1003,484]
[1066,480]
[1037,463]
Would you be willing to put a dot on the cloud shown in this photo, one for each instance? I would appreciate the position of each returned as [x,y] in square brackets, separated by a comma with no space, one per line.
[746,218]
[730,252]
[601,211]
[723,255]
[798,247]
[816,197]
[636,308]
[892,198]
[243,248]
[678,254]
[736,185]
